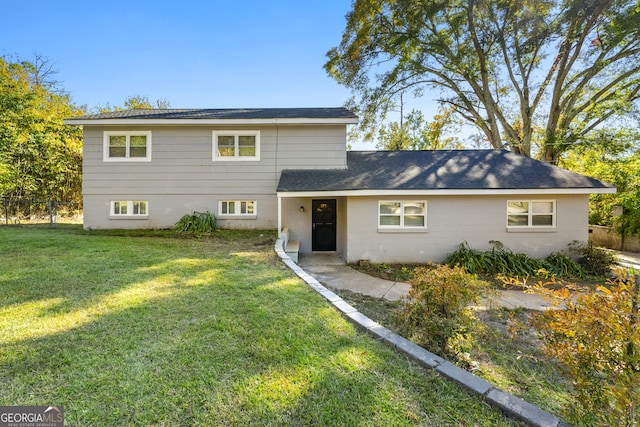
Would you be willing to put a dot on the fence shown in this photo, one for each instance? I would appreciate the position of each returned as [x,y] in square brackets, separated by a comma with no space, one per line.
[22,211]
[605,236]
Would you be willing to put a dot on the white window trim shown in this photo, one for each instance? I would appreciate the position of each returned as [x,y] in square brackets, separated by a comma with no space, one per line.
[129,214]
[238,215]
[128,134]
[402,227]
[236,134]
[530,214]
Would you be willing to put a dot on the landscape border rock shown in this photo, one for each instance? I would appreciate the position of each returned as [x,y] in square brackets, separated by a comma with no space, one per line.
[508,403]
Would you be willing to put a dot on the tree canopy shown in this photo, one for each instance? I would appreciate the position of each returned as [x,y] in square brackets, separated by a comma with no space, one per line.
[535,76]
[413,132]
[40,157]
[135,102]
[612,155]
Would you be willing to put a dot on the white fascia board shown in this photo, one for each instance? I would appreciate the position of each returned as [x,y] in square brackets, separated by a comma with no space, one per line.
[237,122]
[485,192]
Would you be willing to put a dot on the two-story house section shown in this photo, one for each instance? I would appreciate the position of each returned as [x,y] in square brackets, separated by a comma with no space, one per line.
[147,168]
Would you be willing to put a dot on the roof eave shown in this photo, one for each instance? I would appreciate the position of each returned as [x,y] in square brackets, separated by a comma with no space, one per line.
[447,192]
[237,122]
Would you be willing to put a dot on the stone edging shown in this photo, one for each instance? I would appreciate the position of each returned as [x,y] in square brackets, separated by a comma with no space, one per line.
[512,405]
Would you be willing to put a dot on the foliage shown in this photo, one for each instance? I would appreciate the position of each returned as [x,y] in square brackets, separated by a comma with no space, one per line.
[501,260]
[436,312]
[594,260]
[515,364]
[523,72]
[40,157]
[136,102]
[197,223]
[612,156]
[152,331]
[597,341]
[414,133]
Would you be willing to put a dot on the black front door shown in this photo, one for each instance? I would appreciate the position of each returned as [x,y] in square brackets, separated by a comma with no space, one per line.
[324,225]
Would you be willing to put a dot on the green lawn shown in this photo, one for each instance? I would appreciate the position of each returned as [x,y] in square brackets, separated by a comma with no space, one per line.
[147,329]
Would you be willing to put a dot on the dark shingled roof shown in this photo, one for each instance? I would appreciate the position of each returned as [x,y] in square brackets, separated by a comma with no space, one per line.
[226,114]
[436,170]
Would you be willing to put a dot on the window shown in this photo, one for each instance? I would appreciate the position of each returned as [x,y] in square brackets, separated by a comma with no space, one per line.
[130,208]
[236,145]
[237,208]
[409,214]
[531,213]
[127,146]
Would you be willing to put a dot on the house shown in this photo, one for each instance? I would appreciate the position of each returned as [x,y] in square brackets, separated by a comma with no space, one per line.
[289,169]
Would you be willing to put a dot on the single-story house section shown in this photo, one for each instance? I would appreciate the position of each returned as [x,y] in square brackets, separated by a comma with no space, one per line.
[417,206]
[288,168]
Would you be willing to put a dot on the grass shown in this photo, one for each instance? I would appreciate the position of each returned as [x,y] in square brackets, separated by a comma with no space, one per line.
[145,329]
[508,353]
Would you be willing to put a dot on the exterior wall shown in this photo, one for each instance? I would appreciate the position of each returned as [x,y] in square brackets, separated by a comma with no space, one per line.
[182,177]
[452,220]
[299,223]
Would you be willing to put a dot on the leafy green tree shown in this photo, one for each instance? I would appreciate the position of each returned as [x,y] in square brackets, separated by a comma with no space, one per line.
[612,155]
[40,157]
[526,73]
[135,102]
[415,133]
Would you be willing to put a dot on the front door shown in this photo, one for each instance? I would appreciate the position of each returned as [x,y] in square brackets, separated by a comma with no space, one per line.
[323,228]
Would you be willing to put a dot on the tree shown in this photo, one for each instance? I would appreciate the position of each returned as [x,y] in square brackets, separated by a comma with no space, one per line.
[526,73]
[612,155]
[415,133]
[135,102]
[40,157]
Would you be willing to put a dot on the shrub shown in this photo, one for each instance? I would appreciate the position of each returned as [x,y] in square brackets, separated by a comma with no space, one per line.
[500,260]
[562,265]
[596,261]
[197,223]
[436,312]
[596,339]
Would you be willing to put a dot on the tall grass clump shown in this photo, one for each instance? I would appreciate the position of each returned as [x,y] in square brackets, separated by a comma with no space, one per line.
[500,260]
[197,223]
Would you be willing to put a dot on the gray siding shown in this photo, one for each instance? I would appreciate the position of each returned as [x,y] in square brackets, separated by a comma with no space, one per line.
[454,219]
[182,177]
[451,220]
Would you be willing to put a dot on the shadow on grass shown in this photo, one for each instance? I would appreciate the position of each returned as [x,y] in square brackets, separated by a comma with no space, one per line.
[187,334]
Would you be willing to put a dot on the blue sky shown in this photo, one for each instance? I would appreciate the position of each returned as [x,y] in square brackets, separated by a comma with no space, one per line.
[198,54]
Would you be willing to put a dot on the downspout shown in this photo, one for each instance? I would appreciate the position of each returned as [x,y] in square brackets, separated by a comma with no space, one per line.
[276,183]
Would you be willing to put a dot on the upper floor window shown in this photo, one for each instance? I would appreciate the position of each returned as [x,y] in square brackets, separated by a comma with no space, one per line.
[531,213]
[236,145]
[127,146]
[408,214]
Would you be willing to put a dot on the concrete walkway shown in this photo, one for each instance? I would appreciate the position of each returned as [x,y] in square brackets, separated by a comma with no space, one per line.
[331,271]
[510,404]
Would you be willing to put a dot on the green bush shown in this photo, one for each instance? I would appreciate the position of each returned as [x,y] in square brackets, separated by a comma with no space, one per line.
[597,341]
[197,223]
[500,260]
[562,265]
[595,261]
[436,313]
